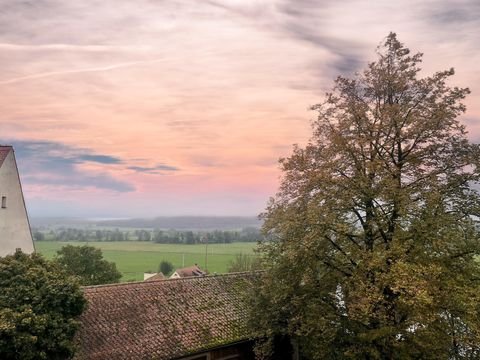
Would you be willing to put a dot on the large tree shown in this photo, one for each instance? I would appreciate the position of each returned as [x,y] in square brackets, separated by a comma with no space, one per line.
[39,304]
[88,264]
[373,235]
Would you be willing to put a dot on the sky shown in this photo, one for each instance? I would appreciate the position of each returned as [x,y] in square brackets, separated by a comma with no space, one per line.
[120,108]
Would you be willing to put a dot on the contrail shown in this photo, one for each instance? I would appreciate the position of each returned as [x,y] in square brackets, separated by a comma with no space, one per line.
[84,70]
[71,47]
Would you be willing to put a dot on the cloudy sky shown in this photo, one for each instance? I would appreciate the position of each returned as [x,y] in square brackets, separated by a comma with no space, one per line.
[121,108]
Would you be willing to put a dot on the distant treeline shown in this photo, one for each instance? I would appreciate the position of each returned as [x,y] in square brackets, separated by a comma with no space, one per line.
[184,223]
[248,234]
[181,223]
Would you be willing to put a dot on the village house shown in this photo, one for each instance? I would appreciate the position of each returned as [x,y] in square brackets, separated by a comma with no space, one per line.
[188,272]
[14,225]
[149,276]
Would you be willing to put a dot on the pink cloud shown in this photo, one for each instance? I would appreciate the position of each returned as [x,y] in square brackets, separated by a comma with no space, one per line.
[217,90]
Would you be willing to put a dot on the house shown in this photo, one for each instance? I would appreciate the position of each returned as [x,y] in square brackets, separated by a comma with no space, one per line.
[153,276]
[201,318]
[188,272]
[14,225]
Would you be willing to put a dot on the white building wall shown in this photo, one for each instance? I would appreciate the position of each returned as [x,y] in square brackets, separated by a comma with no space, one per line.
[14,226]
[148,275]
[175,275]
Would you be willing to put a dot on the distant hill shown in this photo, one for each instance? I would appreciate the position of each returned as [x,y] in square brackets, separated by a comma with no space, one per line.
[172,222]
[187,222]
[39,222]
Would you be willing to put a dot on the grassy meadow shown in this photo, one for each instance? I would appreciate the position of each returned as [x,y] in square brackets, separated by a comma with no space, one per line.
[133,258]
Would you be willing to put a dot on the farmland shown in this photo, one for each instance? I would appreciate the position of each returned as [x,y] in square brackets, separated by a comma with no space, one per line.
[133,258]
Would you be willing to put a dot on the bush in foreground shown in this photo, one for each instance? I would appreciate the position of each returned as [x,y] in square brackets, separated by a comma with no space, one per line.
[39,304]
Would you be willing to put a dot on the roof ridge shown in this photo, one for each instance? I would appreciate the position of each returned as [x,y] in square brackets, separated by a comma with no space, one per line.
[188,278]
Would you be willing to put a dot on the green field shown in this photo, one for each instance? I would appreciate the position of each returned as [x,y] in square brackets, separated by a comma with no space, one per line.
[133,258]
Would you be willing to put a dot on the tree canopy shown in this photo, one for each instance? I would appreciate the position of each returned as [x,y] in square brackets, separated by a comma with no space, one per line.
[165,267]
[373,235]
[39,303]
[88,264]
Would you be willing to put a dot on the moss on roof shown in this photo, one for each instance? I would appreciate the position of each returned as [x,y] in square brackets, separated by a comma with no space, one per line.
[163,319]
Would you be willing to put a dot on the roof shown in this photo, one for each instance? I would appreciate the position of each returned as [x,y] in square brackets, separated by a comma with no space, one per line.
[163,319]
[190,271]
[158,276]
[4,150]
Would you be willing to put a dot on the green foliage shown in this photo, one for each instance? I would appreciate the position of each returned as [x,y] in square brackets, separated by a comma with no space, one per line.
[88,264]
[39,303]
[374,232]
[245,262]
[38,236]
[165,267]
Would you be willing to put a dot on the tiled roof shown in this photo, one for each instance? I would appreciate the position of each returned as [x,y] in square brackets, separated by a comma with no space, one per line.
[155,277]
[190,271]
[4,150]
[163,319]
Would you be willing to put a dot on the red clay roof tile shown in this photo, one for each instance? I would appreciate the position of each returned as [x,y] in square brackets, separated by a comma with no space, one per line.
[163,319]
[156,277]
[190,271]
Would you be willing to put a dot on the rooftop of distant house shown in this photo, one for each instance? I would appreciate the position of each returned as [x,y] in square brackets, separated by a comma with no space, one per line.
[156,277]
[189,271]
[163,319]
